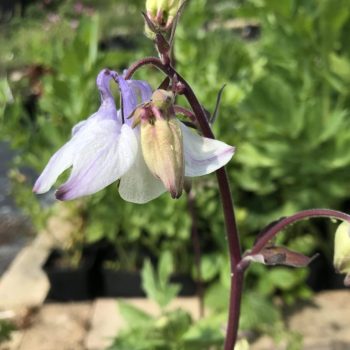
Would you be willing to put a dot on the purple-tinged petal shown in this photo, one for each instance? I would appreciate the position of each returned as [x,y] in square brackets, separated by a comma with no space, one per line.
[138,185]
[203,155]
[102,114]
[58,163]
[101,149]
[142,89]
[129,97]
[104,153]
[80,125]
[102,81]
[107,108]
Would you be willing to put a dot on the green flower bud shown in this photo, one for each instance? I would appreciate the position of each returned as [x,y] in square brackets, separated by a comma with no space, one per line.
[162,13]
[242,344]
[162,148]
[341,259]
[162,144]
[151,7]
[163,99]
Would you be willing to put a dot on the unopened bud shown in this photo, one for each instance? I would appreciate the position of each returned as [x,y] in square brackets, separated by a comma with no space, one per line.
[162,12]
[242,344]
[162,144]
[163,99]
[151,7]
[342,250]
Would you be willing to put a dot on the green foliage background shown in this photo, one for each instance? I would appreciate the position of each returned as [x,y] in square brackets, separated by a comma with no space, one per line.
[285,107]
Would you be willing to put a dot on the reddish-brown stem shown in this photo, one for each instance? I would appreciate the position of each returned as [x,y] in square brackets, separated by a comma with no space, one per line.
[235,307]
[231,226]
[273,230]
[197,250]
[225,192]
[238,266]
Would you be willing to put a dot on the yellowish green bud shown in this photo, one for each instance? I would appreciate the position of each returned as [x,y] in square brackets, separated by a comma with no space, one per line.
[342,250]
[151,7]
[163,99]
[173,9]
[162,148]
[242,344]
[162,13]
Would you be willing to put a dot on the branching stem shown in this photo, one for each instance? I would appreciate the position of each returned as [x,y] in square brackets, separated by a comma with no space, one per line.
[273,230]
[226,199]
[238,266]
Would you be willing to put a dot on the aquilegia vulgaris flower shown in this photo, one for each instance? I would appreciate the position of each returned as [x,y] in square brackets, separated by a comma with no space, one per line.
[107,146]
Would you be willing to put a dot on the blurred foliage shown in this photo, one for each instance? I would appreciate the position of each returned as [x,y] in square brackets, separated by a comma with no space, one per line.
[285,107]
[175,328]
[5,330]
[156,283]
[169,329]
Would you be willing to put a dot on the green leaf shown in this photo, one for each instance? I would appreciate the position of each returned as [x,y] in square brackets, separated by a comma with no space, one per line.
[205,333]
[133,316]
[149,283]
[282,8]
[165,269]
[283,278]
[340,65]
[334,124]
[258,312]
[210,266]
[161,291]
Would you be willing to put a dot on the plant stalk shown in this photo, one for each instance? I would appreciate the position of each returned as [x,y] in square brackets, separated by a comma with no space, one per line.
[272,231]
[226,199]
[197,250]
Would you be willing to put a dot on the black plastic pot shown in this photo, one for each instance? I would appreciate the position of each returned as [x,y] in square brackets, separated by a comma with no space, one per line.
[188,285]
[68,283]
[91,279]
[122,284]
[129,285]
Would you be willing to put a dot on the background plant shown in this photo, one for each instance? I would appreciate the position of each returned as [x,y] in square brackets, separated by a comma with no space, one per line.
[285,105]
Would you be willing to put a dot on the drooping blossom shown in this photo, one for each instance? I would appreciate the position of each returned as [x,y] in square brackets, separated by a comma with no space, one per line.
[106,147]
[341,260]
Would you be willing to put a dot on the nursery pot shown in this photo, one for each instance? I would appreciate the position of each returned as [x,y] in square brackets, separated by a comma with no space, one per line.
[187,284]
[118,283]
[69,283]
[127,284]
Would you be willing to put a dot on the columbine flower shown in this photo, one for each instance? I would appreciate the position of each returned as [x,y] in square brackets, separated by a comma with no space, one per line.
[341,259]
[107,147]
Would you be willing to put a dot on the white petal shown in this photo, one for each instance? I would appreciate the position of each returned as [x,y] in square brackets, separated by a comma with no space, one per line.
[78,126]
[138,185]
[104,113]
[203,155]
[103,153]
[58,163]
